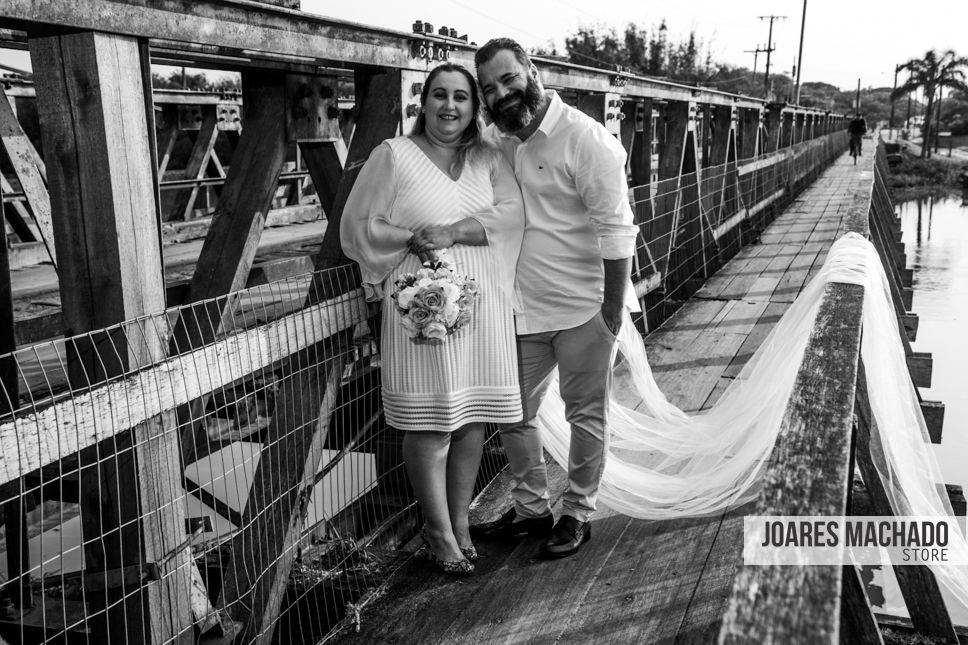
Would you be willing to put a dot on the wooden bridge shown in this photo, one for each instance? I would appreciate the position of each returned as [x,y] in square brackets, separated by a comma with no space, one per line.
[683,581]
[210,462]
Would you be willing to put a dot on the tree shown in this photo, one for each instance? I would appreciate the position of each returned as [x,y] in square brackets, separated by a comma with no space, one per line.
[932,73]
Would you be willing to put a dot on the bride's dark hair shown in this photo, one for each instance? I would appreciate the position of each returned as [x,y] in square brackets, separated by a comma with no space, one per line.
[471,141]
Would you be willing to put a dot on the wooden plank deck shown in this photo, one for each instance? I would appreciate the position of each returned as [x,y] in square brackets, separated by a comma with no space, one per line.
[636,581]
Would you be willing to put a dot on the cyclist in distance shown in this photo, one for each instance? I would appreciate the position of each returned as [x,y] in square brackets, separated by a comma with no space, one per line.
[857,129]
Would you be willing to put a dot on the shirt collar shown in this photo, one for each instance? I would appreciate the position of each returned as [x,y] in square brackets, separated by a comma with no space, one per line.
[553,113]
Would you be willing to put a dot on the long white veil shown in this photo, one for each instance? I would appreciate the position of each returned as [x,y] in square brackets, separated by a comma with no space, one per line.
[665,463]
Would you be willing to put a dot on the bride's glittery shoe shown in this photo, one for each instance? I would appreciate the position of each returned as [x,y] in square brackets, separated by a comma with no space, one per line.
[462,567]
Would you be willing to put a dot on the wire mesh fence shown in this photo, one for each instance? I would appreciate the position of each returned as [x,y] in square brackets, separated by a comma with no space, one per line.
[692,224]
[224,469]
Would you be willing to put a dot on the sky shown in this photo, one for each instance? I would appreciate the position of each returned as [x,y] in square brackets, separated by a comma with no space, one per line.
[844,40]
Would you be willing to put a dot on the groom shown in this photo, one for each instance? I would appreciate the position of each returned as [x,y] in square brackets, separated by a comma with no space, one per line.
[571,289]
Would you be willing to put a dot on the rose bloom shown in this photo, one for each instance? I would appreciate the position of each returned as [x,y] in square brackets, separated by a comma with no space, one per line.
[471,286]
[405,296]
[451,291]
[420,316]
[435,330]
[433,298]
[410,328]
[450,313]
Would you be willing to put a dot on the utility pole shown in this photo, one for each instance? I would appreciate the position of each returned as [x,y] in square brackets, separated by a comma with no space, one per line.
[907,121]
[756,55]
[769,48]
[803,24]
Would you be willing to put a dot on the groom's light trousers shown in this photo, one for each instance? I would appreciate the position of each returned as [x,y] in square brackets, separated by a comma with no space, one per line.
[584,356]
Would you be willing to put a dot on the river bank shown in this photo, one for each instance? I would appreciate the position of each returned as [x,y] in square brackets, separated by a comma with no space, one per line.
[915,177]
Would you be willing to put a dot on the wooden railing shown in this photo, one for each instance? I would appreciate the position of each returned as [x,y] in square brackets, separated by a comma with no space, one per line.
[825,432]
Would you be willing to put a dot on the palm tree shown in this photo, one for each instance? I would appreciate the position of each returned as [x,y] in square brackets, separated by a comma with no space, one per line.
[931,74]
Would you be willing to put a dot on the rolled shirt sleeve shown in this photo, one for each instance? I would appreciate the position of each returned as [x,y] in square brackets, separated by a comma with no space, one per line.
[602,186]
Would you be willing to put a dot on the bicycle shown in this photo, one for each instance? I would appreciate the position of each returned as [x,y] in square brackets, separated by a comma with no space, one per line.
[855,147]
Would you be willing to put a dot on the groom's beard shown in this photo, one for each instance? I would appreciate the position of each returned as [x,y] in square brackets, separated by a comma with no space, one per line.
[516,110]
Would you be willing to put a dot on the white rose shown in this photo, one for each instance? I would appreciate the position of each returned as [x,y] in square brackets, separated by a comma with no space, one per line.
[450,312]
[423,283]
[451,291]
[435,330]
[405,296]
[409,328]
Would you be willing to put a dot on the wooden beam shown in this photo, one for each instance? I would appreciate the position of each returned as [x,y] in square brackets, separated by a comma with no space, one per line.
[773,124]
[23,159]
[918,585]
[168,131]
[857,621]
[933,413]
[921,365]
[379,118]
[782,604]
[233,237]
[197,165]
[21,220]
[16,588]
[34,440]
[673,142]
[93,113]
[639,115]
[281,486]
[909,323]
[323,163]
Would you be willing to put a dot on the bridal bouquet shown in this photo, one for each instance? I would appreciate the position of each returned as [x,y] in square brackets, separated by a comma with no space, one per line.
[435,301]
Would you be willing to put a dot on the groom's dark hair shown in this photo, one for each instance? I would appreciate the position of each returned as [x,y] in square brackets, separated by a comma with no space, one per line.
[493,46]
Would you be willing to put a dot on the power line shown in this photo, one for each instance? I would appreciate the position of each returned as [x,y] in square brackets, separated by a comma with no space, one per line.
[769,48]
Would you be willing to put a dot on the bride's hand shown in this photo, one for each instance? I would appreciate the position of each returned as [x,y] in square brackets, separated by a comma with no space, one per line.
[432,238]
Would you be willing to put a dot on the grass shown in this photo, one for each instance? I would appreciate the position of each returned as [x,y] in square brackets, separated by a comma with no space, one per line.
[914,172]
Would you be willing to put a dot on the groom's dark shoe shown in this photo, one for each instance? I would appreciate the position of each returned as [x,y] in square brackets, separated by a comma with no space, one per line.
[566,538]
[509,526]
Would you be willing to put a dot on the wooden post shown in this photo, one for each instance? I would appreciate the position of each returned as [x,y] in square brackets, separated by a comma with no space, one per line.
[704,116]
[14,510]
[266,544]
[782,604]
[774,129]
[92,107]
[788,132]
[857,621]
[233,237]
[723,152]
[749,147]
[23,158]
[918,585]
[168,131]
[673,148]
[197,164]
[322,161]
[378,98]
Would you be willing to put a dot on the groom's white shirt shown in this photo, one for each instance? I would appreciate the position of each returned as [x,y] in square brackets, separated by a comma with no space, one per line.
[577,213]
